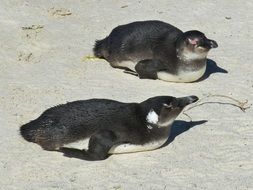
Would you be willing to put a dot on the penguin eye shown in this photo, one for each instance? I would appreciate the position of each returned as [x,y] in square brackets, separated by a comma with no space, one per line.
[201,43]
[166,106]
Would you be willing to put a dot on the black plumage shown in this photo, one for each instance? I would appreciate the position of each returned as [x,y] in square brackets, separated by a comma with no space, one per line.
[149,47]
[105,122]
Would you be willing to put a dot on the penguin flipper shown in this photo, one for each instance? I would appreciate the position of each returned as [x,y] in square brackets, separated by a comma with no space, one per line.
[74,153]
[148,68]
[99,145]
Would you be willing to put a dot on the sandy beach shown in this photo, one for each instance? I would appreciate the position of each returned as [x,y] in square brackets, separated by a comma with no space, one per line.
[43,63]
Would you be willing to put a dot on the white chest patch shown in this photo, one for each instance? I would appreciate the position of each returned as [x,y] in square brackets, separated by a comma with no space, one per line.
[167,123]
[182,76]
[152,117]
[189,56]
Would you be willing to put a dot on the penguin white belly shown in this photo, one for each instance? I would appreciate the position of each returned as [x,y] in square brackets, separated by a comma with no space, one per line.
[82,144]
[130,148]
[122,148]
[182,76]
[127,64]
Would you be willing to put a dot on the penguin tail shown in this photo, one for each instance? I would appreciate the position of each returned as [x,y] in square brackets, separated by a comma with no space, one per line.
[28,132]
[100,49]
[44,132]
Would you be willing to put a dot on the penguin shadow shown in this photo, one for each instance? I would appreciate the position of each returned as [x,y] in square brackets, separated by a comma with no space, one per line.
[180,127]
[211,68]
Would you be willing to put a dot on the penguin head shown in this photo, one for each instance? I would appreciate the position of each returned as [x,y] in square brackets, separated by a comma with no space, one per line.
[165,114]
[195,45]
[198,40]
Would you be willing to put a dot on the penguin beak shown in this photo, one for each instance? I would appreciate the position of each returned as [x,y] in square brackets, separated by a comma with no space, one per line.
[184,101]
[210,44]
[191,99]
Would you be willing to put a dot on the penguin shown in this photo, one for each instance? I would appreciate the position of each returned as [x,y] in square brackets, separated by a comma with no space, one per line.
[111,127]
[156,50]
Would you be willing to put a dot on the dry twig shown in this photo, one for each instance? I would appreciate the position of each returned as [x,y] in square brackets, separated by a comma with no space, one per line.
[60,12]
[33,27]
[242,105]
[89,58]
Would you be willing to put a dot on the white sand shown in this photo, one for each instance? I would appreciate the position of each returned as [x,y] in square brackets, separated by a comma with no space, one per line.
[42,67]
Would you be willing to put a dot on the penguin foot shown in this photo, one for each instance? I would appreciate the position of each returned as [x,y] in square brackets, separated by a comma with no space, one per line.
[131,72]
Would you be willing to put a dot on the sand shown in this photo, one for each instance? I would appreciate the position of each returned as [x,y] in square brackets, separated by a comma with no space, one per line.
[41,65]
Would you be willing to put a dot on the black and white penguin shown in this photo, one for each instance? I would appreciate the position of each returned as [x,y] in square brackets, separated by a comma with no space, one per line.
[112,127]
[156,50]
